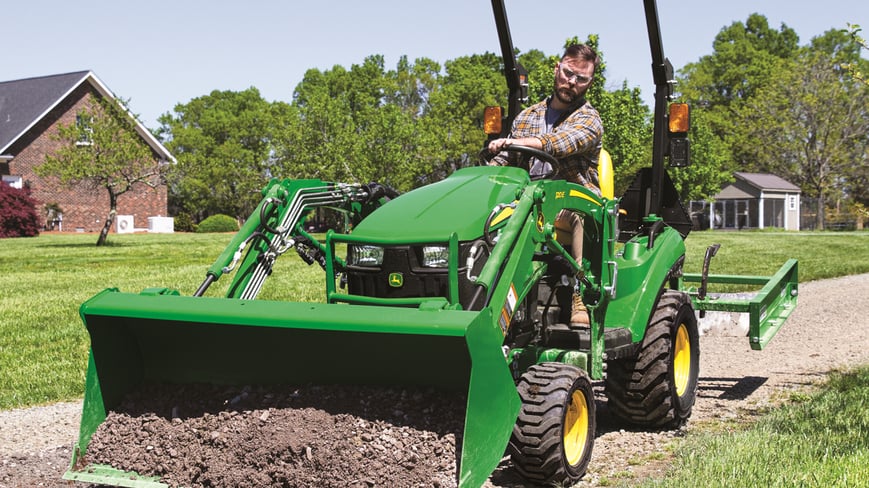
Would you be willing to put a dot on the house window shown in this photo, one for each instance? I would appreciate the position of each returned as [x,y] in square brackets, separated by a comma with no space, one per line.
[85,130]
[13,181]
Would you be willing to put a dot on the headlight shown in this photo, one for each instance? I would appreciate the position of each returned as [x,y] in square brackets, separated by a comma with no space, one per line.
[365,256]
[435,256]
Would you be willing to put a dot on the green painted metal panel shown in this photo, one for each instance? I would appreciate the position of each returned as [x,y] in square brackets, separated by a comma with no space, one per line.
[459,203]
[101,474]
[642,273]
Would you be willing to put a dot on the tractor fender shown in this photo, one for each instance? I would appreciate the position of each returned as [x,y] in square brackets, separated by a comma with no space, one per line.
[643,272]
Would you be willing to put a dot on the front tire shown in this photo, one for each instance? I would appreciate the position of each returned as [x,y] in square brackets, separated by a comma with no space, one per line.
[554,434]
[658,387]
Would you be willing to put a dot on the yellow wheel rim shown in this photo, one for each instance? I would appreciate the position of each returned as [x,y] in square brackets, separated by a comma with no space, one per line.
[576,428]
[682,360]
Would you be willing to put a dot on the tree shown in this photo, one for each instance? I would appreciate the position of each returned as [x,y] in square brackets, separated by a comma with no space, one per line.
[103,150]
[455,121]
[746,56]
[844,48]
[858,68]
[809,125]
[223,143]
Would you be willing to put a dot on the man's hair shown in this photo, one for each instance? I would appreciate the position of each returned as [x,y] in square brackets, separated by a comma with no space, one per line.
[583,52]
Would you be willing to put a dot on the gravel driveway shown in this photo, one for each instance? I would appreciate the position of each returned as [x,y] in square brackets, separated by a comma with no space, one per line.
[828,330]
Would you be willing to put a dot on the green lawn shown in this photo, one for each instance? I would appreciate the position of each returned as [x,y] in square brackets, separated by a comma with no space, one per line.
[43,280]
[815,440]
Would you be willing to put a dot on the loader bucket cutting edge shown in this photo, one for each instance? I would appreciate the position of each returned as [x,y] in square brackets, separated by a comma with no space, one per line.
[168,338]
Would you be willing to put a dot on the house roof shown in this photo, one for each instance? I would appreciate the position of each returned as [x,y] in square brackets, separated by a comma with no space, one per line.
[764,181]
[23,103]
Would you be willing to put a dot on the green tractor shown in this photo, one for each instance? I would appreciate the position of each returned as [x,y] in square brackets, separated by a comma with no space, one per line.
[458,285]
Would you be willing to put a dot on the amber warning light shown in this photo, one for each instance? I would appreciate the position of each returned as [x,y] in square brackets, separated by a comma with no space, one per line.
[492,120]
[679,115]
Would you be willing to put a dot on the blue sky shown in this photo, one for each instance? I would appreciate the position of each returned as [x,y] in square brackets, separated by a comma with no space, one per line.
[161,53]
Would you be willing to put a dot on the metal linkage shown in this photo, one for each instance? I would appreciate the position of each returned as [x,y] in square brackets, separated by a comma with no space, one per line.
[282,239]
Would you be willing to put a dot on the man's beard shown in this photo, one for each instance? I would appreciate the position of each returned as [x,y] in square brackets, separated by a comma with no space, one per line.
[566,95]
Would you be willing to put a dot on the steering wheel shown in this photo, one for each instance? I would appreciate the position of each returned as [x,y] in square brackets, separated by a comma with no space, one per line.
[529,152]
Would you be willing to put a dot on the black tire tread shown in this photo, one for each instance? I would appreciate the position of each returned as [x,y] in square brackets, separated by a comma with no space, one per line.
[536,444]
[638,389]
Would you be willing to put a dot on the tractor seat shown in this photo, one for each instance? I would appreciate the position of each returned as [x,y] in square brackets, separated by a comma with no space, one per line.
[605,174]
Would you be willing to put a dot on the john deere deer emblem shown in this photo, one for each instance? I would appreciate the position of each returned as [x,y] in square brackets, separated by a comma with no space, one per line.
[396,280]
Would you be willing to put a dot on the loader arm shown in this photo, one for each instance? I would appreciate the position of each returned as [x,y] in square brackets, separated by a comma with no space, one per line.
[275,227]
[516,264]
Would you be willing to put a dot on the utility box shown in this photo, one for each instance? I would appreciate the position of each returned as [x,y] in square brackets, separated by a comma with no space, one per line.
[124,224]
[161,225]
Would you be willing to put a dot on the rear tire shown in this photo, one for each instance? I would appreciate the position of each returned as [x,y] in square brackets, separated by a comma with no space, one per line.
[554,434]
[658,386]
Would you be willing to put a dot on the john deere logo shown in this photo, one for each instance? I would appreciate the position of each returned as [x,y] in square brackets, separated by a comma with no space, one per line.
[396,280]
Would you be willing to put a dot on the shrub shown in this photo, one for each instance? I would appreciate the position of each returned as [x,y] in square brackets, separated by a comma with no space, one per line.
[218,223]
[184,223]
[18,217]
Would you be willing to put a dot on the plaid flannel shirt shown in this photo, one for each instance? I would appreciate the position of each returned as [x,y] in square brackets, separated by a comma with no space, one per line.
[575,140]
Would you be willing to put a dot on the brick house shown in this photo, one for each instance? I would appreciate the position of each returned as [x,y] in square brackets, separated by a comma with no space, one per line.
[31,111]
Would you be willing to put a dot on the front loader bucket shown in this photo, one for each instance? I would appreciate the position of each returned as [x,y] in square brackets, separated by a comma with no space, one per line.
[159,336]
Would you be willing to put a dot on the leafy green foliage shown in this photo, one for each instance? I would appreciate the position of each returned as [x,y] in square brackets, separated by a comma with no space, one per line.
[810,127]
[18,217]
[222,142]
[218,223]
[184,223]
[745,57]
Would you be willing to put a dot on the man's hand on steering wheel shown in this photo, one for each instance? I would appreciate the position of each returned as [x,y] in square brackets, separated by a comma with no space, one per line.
[497,145]
[507,144]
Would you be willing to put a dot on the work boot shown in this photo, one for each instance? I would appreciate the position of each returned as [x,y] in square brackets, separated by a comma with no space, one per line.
[578,313]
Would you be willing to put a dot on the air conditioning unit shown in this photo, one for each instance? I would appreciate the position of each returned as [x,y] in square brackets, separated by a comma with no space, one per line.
[161,225]
[124,224]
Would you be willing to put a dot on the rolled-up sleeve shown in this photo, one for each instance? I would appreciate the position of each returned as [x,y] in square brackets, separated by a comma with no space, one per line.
[581,132]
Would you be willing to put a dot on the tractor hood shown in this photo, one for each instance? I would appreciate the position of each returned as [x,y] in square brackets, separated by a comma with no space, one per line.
[460,203]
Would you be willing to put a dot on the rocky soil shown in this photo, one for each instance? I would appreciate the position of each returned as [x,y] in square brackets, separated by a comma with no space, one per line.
[408,438]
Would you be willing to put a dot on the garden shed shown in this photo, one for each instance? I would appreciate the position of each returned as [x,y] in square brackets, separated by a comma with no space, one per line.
[751,201]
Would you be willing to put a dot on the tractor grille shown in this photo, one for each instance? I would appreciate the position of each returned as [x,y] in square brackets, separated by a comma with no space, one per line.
[402,275]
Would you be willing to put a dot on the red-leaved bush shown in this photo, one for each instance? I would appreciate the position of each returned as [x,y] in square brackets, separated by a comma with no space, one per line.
[18,217]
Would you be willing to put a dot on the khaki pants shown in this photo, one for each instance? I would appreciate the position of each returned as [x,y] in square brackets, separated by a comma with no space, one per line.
[568,226]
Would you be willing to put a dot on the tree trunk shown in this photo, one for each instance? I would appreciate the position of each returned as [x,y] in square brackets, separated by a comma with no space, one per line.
[822,203]
[113,210]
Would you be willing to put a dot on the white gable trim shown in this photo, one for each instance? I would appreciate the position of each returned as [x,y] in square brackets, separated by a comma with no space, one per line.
[43,114]
[101,87]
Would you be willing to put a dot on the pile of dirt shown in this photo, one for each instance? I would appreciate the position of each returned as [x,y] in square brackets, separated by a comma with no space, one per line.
[349,436]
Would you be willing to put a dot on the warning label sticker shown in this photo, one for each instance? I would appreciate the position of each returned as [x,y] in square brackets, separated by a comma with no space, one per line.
[508,309]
